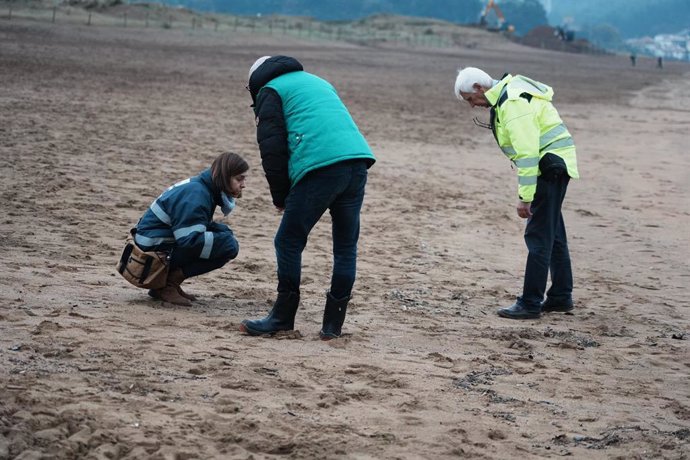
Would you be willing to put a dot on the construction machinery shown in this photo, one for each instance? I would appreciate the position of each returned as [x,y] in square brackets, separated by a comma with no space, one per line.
[565,31]
[499,25]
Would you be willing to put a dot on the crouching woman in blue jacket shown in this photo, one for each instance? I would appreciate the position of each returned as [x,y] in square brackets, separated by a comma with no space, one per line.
[180,222]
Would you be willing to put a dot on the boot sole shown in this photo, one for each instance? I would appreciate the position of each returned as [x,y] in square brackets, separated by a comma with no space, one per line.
[154,295]
[509,316]
[184,302]
[557,309]
[326,338]
[253,332]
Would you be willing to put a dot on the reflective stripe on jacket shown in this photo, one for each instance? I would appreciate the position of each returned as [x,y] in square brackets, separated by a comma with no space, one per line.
[527,126]
[182,216]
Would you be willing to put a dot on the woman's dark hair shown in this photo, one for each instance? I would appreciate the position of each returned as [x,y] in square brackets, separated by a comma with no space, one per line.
[227,164]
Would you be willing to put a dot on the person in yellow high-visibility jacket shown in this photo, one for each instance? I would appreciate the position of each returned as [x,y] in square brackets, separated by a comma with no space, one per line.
[532,135]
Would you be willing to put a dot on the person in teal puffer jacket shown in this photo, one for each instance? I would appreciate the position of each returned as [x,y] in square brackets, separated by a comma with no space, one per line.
[315,159]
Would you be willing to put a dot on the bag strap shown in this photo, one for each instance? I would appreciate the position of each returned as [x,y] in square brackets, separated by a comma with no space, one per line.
[147,269]
[125,257]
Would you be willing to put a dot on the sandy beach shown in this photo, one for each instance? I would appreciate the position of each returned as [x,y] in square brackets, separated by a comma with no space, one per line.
[96,121]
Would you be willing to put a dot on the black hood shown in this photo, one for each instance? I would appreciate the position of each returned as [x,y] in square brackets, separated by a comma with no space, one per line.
[273,67]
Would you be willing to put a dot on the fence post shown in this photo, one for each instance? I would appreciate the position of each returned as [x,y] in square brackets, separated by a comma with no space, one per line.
[54,11]
[88,23]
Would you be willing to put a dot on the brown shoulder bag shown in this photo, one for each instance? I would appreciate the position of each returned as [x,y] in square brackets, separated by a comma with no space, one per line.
[148,270]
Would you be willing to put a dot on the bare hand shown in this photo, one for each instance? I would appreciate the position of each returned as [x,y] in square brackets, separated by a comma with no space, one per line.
[524,209]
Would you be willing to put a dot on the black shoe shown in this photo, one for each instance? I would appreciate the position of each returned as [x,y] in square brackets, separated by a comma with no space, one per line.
[548,306]
[333,317]
[517,311]
[280,318]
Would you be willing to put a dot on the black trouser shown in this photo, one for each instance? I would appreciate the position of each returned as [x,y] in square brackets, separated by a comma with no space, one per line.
[192,265]
[189,260]
[340,189]
[547,245]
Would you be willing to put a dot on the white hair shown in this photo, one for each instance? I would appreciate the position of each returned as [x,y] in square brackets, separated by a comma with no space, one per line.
[467,77]
[256,65]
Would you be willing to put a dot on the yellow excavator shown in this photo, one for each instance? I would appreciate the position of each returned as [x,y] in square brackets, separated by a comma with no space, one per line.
[500,25]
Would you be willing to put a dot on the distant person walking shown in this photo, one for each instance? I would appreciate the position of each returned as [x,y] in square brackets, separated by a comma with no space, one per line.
[660,62]
[532,135]
[633,58]
[315,159]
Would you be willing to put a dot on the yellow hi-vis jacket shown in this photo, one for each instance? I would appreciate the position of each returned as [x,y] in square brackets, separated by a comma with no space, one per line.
[527,126]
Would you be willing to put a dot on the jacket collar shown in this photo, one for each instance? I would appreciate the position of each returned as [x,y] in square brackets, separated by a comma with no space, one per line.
[494,93]
[205,178]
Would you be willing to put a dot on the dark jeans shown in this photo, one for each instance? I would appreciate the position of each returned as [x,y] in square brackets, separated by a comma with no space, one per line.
[340,189]
[547,245]
[192,265]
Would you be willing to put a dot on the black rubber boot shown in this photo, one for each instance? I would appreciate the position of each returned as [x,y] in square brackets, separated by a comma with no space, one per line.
[562,306]
[280,318]
[333,317]
[518,311]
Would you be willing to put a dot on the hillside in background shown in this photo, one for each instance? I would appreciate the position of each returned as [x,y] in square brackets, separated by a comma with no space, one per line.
[574,27]
[626,18]
[379,30]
